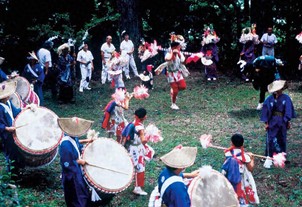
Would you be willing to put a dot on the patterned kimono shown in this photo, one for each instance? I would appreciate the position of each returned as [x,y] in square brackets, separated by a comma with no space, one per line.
[234,168]
[277,113]
[11,152]
[211,52]
[75,189]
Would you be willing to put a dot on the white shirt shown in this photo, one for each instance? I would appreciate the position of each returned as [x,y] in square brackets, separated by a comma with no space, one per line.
[107,50]
[271,39]
[84,56]
[44,56]
[126,46]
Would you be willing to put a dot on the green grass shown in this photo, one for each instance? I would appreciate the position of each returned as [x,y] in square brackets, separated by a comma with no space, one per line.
[220,108]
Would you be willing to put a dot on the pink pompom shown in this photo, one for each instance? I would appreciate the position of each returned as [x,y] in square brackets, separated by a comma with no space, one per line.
[279,159]
[119,95]
[140,92]
[205,140]
[153,134]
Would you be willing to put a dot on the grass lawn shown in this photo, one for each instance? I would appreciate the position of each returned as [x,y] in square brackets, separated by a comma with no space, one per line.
[220,108]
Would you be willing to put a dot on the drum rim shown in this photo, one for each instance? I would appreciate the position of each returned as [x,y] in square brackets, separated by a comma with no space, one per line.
[101,188]
[28,87]
[36,152]
[19,98]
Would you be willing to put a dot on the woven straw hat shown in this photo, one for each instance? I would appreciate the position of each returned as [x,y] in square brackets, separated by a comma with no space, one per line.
[7,88]
[276,86]
[74,126]
[1,60]
[206,61]
[180,157]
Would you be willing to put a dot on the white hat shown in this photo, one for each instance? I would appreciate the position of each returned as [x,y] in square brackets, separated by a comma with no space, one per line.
[7,88]
[206,61]
[180,157]
[74,126]
[276,86]
[62,47]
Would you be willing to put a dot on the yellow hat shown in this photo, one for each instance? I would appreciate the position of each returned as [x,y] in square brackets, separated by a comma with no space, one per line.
[74,126]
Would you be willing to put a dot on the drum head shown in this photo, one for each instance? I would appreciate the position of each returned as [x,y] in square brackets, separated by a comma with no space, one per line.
[37,131]
[23,87]
[110,167]
[212,191]
[16,100]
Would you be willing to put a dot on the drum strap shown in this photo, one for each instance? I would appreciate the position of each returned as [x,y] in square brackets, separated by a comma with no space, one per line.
[8,108]
[73,142]
[170,181]
[32,71]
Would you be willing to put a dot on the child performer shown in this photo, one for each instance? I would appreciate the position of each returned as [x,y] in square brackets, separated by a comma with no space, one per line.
[237,168]
[114,120]
[277,112]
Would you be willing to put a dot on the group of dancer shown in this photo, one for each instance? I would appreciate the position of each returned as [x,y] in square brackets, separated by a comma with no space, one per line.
[277,113]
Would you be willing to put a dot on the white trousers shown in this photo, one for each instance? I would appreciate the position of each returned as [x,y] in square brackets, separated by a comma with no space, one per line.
[85,72]
[105,74]
[130,63]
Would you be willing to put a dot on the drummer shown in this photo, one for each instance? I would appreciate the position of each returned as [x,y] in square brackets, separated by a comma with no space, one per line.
[76,191]
[171,186]
[34,73]
[8,113]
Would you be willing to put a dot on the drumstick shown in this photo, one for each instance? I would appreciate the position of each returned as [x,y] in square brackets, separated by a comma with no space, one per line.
[223,148]
[107,168]
[21,126]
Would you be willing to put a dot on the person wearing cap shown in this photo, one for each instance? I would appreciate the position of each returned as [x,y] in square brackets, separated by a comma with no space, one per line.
[268,40]
[277,112]
[3,76]
[174,74]
[76,191]
[171,186]
[85,58]
[107,49]
[8,113]
[65,62]
[34,73]
[127,49]
[238,168]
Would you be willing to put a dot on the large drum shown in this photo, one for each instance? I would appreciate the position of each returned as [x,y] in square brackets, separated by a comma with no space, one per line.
[23,88]
[212,189]
[109,167]
[37,136]
[16,100]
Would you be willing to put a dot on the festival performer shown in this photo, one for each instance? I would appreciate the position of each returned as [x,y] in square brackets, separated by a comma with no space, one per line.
[115,70]
[269,40]
[147,77]
[238,168]
[65,77]
[137,150]
[171,186]
[114,120]
[127,49]
[249,40]
[107,50]
[176,71]
[8,113]
[76,192]
[299,38]
[277,112]
[34,73]
[85,58]
[210,51]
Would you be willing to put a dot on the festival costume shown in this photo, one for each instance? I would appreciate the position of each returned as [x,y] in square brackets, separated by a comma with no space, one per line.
[3,76]
[176,195]
[115,71]
[126,47]
[75,189]
[210,51]
[86,69]
[36,76]
[107,50]
[65,78]
[277,113]
[234,168]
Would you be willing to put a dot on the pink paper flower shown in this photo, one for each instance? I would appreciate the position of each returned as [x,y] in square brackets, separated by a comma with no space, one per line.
[279,159]
[205,140]
[119,95]
[140,92]
[153,134]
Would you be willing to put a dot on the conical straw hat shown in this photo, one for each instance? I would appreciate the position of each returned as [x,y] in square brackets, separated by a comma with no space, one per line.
[75,126]
[276,86]
[7,88]
[180,157]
